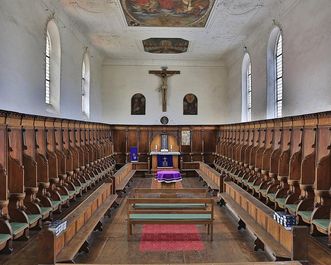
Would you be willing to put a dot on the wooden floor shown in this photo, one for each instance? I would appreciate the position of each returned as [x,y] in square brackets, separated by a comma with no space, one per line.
[112,247]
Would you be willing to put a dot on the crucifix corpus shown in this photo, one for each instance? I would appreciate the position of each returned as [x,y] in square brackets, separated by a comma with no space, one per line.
[164,74]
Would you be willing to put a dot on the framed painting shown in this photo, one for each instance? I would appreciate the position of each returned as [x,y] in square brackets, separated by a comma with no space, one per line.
[167,13]
[138,104]
[190,105]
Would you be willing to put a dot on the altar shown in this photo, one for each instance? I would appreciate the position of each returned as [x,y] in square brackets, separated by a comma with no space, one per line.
[165,160]
[168,176]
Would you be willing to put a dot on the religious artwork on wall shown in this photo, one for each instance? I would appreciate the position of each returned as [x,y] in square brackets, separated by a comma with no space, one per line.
[138,104]
[167,13]
[165,45]
[190,105]
[186,137]
[164,74]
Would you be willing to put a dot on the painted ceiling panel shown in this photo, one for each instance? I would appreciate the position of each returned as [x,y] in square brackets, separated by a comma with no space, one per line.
[167,13]
[213,27]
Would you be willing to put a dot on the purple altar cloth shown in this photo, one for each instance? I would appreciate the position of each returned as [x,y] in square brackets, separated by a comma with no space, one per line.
[168,176]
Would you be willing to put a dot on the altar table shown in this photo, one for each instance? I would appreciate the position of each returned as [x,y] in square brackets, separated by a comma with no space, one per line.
[168,176]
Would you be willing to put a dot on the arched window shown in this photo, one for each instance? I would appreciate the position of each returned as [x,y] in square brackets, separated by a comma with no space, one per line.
[279,76]
[275,74]
[246,111]
[52,67]
[138,104]
[86,85]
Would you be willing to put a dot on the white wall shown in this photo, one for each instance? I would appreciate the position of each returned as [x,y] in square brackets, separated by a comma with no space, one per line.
[123,79]
[22,62]
[307,65]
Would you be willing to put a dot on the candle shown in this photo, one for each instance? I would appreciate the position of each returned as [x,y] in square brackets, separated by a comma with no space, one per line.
[171,147]
[156,147]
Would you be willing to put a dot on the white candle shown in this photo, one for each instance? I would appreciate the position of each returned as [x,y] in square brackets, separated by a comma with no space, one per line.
[156,147]
[171,147]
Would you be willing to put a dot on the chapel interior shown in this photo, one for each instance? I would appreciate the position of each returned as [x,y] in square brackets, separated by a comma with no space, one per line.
[165,132]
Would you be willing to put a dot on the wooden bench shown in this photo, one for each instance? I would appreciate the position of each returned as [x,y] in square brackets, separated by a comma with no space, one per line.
[123,176]
[169,193]
[258,218]
[171,211]
[210,176]
[81,222]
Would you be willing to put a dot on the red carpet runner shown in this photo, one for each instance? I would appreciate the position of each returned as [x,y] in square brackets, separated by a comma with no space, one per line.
[170,238]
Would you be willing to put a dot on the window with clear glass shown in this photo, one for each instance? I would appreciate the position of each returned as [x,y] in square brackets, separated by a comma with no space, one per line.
[249,91]
[47,77]
[86,85]
[279,77]
[52,67]
[246,101]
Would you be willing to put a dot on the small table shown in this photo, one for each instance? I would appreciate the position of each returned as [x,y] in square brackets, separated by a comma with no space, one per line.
[168,176]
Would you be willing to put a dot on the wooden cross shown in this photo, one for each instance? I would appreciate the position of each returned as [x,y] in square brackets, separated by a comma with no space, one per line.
[164,74]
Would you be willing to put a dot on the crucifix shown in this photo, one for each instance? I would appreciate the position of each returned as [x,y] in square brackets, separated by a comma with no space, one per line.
[164,74]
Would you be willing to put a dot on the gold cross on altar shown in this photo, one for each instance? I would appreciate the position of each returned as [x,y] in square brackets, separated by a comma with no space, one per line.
[164,74]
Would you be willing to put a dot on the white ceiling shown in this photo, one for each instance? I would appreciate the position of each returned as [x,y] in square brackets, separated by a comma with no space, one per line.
[230,21]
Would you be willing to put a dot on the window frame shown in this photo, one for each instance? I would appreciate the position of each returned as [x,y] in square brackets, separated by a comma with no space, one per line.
[85,85]
[47,69]
[247,88]
[278,61]
[52,68]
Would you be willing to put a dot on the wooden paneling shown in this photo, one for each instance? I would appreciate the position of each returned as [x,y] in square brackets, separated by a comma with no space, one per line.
[203,141]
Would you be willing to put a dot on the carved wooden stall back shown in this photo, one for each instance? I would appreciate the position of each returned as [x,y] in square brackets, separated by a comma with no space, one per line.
[82,131]
[270,138]
[49,142]
[5,227]
[255,146]
[99,142]
[229,142]
[79,145]
[274,158]
[88,144]
[295,163]
[15,169]
[44,160]
[69,147]
[283,164]
[62,171]
[93,142]
[249,147]
[251,153]
[322,185]
[261,148]
[30,165]
[236,143]
[4,200]
[96,141]
[308,160]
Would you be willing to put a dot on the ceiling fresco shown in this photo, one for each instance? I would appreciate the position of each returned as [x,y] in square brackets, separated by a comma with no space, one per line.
[167,13]
[227,25]
[165,45]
